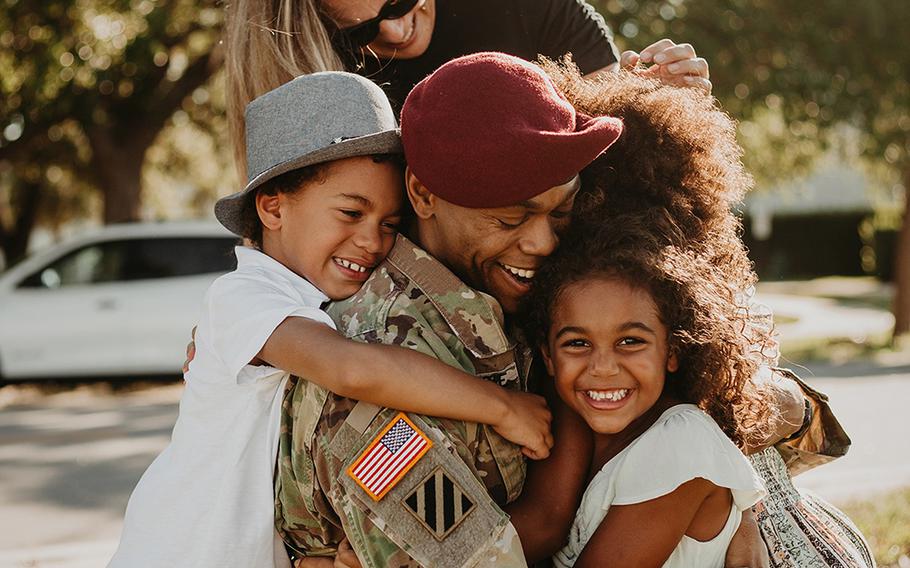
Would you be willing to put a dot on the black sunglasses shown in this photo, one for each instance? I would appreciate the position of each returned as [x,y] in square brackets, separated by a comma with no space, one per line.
[365,32]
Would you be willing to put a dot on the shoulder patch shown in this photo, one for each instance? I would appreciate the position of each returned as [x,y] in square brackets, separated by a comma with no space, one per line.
[391,454]
[439,503]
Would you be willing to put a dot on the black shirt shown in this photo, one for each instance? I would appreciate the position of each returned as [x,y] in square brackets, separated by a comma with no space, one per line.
[524,28]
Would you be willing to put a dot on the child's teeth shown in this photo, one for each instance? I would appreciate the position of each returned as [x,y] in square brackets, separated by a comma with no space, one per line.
[614,395]
[351,265]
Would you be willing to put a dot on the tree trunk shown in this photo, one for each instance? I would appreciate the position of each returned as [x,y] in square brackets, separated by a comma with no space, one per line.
[118,165]
[902,267]
[14,241]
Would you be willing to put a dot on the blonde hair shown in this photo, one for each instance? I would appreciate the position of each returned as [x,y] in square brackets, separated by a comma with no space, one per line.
[268,43]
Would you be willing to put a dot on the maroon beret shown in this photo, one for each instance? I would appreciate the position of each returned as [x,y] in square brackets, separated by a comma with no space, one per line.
[491,130]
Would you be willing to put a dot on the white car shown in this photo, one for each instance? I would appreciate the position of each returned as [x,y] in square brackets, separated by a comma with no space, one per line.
[118,302]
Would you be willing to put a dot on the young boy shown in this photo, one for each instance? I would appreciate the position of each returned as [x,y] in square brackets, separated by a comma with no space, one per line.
[321,207]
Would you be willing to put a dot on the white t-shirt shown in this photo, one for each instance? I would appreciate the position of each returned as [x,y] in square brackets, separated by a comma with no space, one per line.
[683,444]
[208,499]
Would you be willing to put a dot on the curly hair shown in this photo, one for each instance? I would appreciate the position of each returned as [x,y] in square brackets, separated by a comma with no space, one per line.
[677,160]
[657,212]
[697,301]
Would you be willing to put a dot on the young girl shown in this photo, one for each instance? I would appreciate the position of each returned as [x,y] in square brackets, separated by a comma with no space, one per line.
[644,342]
[678,165]
[322,205]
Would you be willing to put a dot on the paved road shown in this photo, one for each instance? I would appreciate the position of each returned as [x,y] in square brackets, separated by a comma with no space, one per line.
[69,459]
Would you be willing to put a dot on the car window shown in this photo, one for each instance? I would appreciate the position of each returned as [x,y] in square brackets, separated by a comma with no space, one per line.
[163,258]
[137,259]
[99,262]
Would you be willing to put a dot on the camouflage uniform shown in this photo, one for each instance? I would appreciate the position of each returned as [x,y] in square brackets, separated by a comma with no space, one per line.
[413,301]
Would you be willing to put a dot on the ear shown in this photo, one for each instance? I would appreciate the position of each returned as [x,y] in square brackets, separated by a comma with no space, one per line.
[672,361]
[268,207]
[423,202]
[547,360]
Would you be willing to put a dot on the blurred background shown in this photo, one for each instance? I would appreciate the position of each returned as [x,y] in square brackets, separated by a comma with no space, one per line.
[113,111]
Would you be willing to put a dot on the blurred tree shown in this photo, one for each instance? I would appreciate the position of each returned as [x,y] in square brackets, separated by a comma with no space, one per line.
[85,88]
[794,73]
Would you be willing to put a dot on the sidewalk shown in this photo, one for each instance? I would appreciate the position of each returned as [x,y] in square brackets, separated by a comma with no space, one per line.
[812,315]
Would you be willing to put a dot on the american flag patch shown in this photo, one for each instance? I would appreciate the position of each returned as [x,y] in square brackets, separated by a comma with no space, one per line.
[389,456]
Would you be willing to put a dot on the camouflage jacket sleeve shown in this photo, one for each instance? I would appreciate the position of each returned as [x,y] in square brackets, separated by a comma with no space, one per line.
[383,533]
[316,503]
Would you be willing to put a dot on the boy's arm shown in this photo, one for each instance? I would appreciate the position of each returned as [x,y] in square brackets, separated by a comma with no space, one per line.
[407,380]
[544,512]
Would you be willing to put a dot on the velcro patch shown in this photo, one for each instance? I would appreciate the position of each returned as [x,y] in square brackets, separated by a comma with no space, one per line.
[391,454]
[439,503]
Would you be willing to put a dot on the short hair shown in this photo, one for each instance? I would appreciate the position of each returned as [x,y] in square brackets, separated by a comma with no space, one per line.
[288,182]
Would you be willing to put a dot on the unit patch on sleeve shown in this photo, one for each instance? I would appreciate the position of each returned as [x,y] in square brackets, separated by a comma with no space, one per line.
[439,503]
[394,451]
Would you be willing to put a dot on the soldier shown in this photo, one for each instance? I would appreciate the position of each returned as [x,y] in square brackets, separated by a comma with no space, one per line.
[478,232]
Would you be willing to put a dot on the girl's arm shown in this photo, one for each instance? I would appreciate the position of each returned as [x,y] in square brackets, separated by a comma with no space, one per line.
[645,534]
[408,380]
[545,510]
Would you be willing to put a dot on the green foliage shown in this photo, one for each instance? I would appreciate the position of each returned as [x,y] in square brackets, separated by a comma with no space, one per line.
[792,72]
[85,88]
[885,522]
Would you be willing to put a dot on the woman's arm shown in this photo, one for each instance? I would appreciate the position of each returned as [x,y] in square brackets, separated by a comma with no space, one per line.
[790,403]
[645,534]
[401,378]
[544,511]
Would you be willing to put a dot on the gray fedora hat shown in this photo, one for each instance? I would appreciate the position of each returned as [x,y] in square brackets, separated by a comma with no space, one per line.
[312,119]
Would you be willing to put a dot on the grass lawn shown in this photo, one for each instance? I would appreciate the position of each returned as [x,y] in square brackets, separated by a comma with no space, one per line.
[885,522]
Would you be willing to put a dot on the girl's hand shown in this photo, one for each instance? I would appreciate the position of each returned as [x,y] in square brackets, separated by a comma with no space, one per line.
[190,350]
[673,64]
[527,424]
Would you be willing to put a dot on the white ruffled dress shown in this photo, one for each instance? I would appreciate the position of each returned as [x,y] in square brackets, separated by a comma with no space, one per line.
[683,444]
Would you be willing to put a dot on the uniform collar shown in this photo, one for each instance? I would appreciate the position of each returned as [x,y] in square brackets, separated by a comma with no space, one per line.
[436,282]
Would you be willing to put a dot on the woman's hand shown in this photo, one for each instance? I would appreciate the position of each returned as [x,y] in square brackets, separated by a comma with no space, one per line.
[671,63]
[527,424]
[747,549]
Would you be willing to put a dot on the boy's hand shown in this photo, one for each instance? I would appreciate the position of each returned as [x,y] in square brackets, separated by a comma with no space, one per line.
[527,423]
[314,563]
[346,557]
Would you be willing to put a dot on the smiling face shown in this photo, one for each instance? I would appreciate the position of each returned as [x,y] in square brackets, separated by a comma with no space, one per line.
[402,38]
[337,228]
[495,250]
[608,352]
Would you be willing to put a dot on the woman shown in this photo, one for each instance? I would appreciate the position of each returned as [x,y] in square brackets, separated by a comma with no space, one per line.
[398,42]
